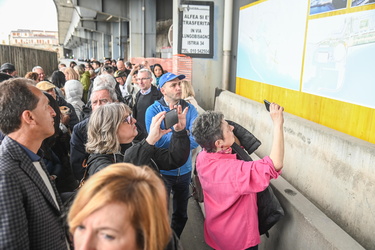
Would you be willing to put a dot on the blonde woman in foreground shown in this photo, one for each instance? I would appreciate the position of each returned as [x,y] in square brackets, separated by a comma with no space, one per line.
[122,207]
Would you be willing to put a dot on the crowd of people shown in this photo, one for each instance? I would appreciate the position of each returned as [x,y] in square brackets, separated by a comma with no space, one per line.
[91,141]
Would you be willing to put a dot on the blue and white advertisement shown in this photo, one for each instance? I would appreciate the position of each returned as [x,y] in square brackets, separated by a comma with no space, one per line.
[325,48]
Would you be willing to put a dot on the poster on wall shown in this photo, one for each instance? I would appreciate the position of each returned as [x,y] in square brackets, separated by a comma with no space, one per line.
[196,29]
[325,48]
[270,44]
[340,58]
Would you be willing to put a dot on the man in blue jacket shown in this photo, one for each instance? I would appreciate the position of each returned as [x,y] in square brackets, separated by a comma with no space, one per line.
[177,180]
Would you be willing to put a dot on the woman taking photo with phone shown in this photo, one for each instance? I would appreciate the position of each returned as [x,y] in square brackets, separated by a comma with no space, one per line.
[112,129]
[230,186]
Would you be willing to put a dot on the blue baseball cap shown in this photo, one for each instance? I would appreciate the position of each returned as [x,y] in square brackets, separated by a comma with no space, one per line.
[169,77]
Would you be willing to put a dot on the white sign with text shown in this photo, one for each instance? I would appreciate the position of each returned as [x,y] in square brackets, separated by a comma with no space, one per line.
[195,29]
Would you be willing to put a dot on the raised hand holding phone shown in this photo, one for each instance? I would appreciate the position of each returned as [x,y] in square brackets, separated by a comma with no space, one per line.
[171,118]
[181,124]
[155,130]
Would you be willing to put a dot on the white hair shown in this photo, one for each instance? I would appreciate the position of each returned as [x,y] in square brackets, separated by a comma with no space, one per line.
[106,80]
[35,68]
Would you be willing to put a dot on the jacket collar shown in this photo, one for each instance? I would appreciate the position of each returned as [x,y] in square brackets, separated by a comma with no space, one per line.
[13,148]
[182,102]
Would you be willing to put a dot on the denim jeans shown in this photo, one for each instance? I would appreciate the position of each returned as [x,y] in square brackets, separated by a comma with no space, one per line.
[179,185]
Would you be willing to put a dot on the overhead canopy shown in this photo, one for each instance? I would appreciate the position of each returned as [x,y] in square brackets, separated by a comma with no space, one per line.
[68,11]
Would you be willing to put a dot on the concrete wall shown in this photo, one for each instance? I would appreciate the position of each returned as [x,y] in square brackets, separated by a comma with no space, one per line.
[303,226]
[335,171]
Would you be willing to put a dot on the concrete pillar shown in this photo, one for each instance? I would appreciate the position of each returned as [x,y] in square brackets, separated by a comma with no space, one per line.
[99,47]
[176,5]
[115,40]
[119,31]
[142,28]
[136,33]
[150,28]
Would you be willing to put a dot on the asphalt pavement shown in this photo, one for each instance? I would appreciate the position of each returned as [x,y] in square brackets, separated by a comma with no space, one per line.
[192,237]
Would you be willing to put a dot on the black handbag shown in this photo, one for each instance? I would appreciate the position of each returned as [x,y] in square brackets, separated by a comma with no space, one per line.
[197,191]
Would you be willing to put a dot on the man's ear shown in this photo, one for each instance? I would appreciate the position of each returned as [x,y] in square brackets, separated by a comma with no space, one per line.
[27,117]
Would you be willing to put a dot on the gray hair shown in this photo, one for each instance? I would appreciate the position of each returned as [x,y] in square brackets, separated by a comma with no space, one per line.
[112,92]
[128,64]
[102,128]
[105,79]
[207,129]
[80,69]
[35,68]
[145,70]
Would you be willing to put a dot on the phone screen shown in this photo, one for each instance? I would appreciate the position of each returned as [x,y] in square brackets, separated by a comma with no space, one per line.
[267,104]
[171,118]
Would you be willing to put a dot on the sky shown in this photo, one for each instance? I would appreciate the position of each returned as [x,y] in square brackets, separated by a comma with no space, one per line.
[27,14]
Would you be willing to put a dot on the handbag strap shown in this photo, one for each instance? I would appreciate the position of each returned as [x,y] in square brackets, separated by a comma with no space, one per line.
[241,153]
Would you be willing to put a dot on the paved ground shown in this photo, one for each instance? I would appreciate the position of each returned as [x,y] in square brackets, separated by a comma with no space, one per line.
[192,237]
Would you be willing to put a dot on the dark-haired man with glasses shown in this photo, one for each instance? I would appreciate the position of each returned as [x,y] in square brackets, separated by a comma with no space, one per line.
[145,97]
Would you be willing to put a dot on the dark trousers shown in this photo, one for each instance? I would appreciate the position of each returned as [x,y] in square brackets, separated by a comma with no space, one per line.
[179,185]
[252,248]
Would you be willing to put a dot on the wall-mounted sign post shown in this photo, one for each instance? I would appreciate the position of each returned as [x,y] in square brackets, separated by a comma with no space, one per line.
[196,29]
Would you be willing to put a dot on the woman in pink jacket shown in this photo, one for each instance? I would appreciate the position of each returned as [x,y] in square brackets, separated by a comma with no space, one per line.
[230,186]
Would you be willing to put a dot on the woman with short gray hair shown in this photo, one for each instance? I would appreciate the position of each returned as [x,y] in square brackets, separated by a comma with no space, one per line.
[207,129]
[230,186]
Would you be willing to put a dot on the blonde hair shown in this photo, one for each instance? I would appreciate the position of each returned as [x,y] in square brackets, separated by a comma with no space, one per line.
[140,189]
[102,128]
[187,89]
[71,74]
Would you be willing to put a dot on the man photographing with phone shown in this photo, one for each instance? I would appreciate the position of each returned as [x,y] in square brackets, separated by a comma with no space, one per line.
[178,179]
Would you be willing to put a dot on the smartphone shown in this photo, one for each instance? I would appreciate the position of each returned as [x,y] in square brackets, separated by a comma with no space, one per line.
[267,103]
[171,118]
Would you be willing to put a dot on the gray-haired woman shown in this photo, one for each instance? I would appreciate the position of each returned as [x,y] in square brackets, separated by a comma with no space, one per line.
[230,186]
[111,131]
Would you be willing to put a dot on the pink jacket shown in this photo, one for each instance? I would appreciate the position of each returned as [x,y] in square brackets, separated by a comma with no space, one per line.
[230,199]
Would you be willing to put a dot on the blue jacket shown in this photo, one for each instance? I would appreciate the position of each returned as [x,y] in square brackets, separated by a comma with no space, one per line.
[192,114]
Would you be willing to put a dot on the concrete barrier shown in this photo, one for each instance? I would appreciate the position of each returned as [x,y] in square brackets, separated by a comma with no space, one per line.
[333,170]
[304,226]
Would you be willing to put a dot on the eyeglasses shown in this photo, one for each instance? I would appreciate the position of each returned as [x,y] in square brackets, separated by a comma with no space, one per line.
[143,79]
[128,119]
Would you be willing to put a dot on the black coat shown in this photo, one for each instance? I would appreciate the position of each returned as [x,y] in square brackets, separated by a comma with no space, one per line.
[142,153]
[78,153]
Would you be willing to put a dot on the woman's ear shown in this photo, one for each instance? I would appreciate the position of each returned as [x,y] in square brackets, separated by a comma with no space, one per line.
[219,144]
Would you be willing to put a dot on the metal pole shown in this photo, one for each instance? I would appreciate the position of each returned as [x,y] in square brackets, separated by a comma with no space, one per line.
[227,42]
